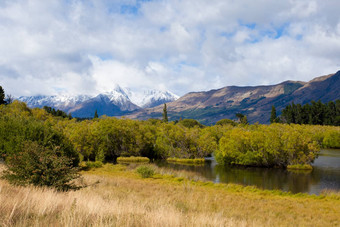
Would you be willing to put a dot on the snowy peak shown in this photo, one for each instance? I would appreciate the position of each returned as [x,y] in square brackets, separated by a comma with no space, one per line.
[152,98]
[117,95]
[60,102]
[116,102]
[146,98]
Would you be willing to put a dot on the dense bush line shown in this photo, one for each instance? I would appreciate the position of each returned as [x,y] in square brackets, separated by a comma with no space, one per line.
[110,138]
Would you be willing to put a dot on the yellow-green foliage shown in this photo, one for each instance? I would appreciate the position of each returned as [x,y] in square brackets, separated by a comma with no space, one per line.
[332,138]
[132,159]
[109,138]
[273,145]
[186,160]
[300,167]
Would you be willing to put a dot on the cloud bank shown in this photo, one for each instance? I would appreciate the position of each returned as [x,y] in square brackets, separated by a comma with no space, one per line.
[85,47]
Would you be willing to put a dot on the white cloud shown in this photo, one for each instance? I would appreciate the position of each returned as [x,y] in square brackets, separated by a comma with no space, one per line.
[80,46]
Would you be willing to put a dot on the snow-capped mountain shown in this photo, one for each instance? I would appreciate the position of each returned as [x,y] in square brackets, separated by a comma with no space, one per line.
[152,98]
[117,102]
[62,102]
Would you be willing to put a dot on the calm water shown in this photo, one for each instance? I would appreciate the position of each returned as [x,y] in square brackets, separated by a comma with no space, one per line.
[325,174]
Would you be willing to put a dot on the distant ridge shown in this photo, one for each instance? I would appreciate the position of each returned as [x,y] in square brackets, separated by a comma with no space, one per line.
[117,102]
[254,101]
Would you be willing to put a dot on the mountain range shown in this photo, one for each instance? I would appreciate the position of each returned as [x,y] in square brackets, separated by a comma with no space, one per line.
[253,101]
[207,106]
[117,102]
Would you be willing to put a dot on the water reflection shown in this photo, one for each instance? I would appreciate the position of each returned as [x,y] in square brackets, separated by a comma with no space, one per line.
[325,175]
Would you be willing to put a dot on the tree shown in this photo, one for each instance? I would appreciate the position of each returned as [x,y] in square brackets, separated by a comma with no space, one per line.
[57,113]
[273,115]
[95,114]
[317,113]
[165,114]
[242,118]
[2,96]
[9,99]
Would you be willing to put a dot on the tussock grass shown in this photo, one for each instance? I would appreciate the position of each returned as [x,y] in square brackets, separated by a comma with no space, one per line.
[133,159]
[117,196]
[169,173]
[196,161]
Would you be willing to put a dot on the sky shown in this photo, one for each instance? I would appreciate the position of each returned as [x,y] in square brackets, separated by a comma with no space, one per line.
[86,47]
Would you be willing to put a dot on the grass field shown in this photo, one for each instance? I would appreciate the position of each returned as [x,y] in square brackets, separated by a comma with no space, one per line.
[117,196]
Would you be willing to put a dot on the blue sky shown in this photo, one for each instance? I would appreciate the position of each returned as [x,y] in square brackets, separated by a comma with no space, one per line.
[86,47]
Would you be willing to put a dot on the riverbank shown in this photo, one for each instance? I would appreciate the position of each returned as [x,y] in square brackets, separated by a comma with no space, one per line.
[117,196]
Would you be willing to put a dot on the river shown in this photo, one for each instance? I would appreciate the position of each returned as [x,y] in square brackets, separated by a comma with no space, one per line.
[325,174]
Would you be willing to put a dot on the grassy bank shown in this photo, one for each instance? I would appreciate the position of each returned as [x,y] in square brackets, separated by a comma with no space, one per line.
[132,159]
[117,196]
[299,167]
[190,161]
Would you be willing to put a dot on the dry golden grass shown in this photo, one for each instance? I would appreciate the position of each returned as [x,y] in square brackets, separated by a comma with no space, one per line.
[119,197]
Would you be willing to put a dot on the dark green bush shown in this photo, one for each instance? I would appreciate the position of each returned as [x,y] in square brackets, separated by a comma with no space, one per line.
[41,166]
[226,122]
[145,171]
[190,123]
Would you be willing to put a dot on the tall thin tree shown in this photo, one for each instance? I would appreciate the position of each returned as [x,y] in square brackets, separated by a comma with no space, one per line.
[273,115]
[165,113]
[2,96]
[95,114]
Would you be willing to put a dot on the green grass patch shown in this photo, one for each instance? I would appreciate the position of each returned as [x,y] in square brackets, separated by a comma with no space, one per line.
[195,161]
[90,165]
[133,159]
[300,167]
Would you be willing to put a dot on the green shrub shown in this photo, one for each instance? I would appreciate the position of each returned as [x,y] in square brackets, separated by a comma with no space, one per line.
[41,166]
[133,159]
[145,171]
